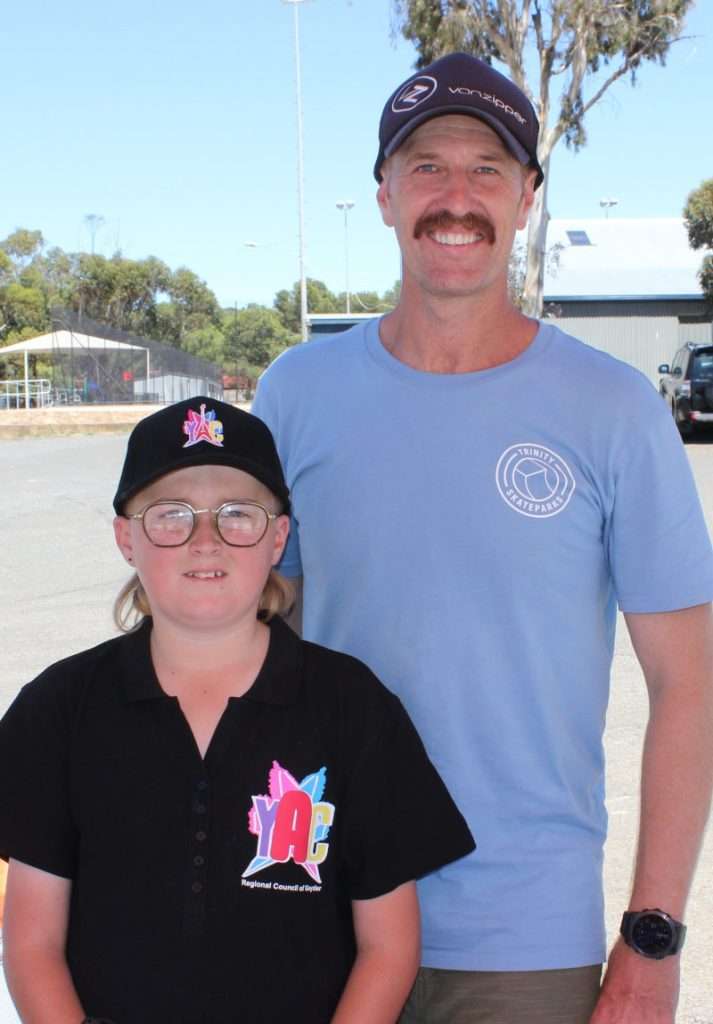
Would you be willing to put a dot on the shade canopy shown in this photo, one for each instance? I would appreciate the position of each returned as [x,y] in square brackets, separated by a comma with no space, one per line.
[67,341]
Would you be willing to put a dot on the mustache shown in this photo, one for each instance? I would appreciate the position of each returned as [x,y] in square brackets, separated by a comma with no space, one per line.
[444,220]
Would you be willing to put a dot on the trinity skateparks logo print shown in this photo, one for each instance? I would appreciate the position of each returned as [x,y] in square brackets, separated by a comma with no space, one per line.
[534,480]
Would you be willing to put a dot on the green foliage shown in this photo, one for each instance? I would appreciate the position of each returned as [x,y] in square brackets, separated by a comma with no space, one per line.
[254,336]
[391,296]
[370,302]
[207,342]
[25,306]
[6,267]
[23,245]
[705,276]
[319,300]
[698,216]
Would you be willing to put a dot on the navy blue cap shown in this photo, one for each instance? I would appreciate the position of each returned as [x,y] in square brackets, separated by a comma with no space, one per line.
[461,84]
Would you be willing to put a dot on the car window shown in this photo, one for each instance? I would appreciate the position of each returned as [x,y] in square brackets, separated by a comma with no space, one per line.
[679,360]
[702,368]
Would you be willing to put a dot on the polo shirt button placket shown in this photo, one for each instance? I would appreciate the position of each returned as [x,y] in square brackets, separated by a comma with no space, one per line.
[199,818]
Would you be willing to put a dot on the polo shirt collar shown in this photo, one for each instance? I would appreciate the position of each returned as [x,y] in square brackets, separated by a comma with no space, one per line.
[277,682]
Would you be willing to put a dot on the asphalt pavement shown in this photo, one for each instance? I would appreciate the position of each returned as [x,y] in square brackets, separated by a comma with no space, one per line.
[61,572]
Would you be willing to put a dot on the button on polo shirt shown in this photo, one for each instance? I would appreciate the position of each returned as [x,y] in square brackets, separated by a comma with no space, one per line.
[198,895]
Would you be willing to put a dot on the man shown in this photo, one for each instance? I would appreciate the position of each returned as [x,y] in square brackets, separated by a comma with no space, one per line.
[473,494]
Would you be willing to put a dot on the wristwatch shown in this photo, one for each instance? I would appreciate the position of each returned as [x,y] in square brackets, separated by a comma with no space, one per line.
[652,933]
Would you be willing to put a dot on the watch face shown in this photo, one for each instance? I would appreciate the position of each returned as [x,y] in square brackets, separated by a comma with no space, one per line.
[652,934]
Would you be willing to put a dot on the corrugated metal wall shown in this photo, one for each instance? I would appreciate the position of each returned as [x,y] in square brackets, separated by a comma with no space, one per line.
[645,342]
[695,332]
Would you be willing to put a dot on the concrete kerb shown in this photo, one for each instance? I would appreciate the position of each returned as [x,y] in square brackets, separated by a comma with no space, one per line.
[63,421]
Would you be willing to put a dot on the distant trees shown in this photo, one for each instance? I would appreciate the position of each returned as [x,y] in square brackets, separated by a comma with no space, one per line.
[147,298]
[23,303]
[698,215]
[319,300]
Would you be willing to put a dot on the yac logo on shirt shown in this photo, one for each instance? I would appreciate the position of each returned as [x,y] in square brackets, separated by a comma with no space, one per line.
[534,480]
[291,823]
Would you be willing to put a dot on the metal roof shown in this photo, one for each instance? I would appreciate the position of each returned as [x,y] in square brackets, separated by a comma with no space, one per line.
[625,258]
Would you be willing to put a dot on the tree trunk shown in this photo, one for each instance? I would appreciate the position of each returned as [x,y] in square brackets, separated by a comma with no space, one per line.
[536,250]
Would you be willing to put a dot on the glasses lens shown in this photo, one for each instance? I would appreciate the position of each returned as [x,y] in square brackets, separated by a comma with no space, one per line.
[168,524]
[242,524]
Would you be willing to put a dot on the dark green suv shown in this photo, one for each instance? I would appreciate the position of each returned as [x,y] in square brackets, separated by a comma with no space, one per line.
[687,386]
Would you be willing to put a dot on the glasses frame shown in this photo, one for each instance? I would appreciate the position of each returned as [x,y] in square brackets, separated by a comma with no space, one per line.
[270,516]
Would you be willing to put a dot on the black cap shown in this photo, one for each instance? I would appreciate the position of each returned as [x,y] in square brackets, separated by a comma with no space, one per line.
[197,432]
[461,84]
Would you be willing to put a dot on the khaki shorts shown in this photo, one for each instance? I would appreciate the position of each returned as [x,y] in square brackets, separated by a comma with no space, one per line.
[503,997]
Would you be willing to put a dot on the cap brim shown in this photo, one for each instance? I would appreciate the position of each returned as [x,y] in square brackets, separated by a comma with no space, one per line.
[200,459]
[513,145]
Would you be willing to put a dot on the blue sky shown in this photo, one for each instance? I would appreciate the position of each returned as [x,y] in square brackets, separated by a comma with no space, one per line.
[176,124]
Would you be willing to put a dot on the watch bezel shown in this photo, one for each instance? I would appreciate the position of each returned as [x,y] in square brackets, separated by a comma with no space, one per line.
[633,919]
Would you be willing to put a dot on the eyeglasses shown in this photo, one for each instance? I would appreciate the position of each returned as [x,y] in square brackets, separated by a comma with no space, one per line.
[169,524]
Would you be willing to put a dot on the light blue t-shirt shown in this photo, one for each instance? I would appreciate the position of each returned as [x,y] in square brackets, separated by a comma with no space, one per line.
[469,537]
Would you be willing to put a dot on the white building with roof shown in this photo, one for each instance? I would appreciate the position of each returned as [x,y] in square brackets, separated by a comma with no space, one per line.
[629,287]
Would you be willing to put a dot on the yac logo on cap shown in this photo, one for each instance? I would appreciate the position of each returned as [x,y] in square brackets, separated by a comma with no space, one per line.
[413,93]
[203,427]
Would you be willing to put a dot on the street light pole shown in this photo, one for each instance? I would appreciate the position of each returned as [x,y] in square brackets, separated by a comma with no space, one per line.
[93,221]
[300,172]
[346,205]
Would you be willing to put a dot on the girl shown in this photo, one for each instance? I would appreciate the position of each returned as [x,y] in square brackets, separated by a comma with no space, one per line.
[209,820]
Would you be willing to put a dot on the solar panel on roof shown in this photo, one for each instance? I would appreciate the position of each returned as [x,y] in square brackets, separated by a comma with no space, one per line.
[578,238]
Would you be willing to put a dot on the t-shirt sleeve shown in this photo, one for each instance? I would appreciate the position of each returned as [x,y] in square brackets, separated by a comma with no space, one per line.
[266,407]
[401,822]
[36,824]
[658,545]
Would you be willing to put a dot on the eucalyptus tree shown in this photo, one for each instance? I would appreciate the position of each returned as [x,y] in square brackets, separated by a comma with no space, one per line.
[698,215]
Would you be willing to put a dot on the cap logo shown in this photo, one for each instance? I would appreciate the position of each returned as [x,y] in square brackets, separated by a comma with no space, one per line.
[414,92]
[464,90]
[203,427]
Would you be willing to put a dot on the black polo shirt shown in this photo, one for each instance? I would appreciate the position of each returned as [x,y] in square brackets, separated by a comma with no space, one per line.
[216,890]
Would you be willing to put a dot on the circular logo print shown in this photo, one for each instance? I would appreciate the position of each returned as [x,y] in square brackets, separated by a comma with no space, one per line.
[413,93]
[534,480]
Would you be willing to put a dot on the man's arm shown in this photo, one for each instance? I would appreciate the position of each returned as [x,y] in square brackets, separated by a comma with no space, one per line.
[34,936]
[388,950]
[675,650]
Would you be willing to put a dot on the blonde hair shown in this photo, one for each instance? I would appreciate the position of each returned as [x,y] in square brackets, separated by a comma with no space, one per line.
[132,606]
